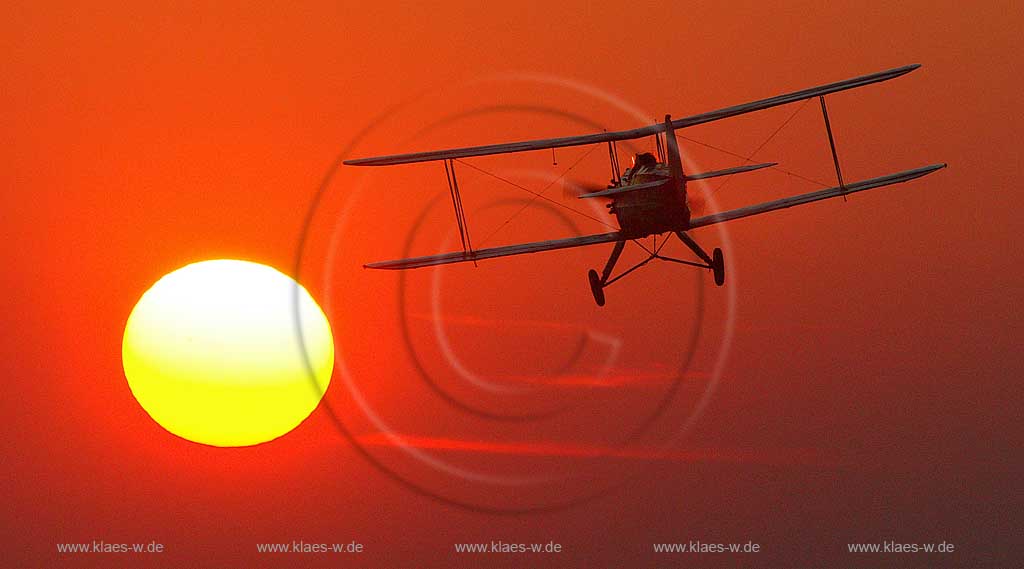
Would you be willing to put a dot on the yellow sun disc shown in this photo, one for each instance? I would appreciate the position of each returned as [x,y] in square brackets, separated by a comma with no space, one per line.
[228,353]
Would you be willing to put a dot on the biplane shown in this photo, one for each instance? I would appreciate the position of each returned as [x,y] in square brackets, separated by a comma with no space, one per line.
[648,198]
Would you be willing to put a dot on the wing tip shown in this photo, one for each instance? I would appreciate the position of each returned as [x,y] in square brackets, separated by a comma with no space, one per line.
[901,71]
[360,161]
[383,265]
[914,174]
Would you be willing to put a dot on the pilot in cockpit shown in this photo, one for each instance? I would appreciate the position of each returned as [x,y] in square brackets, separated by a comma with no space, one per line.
[644,163]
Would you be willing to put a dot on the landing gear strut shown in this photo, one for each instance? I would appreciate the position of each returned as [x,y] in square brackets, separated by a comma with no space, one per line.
[715,261]
[598,282]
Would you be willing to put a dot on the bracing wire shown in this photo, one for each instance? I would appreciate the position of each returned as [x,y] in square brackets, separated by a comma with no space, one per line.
[460,213]
[748,158]
[537,195]
[740,156]
[765,143]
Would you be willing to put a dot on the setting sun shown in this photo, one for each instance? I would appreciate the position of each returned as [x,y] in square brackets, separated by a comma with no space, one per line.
[228,353]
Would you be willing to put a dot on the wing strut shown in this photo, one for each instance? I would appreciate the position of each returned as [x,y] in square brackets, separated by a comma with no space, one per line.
[613,157]
[832,144]
[460,213]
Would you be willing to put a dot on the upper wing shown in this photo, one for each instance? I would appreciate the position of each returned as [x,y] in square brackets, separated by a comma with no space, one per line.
[794,96]
[520,249]
[814,196]
[507,147]
[542,144]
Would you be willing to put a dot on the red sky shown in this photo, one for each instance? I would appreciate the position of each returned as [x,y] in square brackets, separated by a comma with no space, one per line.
[870,389]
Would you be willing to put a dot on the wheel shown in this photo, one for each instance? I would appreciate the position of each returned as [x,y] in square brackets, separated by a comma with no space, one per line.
[596,287]
[718,266]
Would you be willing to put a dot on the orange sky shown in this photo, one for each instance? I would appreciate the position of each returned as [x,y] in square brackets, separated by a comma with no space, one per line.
[871,386]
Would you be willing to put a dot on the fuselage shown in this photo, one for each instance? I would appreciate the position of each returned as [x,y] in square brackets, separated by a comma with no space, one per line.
[652,210]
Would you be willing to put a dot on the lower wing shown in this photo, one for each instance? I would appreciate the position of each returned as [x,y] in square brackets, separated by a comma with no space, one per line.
[538,246]
[783,203]
[520,249]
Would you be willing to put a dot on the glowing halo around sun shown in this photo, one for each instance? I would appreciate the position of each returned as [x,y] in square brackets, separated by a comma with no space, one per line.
[213,353]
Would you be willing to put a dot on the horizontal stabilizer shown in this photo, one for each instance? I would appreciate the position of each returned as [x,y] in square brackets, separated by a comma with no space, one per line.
[814,196]
[730,171]
[520,249]
[624,189]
